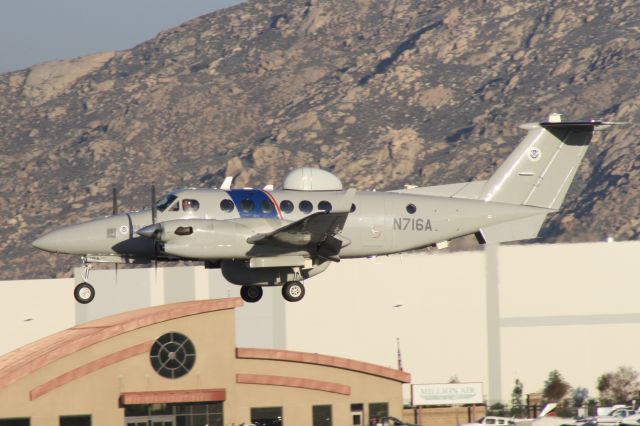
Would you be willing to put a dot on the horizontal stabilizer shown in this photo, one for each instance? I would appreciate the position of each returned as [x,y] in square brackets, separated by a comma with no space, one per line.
[519,229]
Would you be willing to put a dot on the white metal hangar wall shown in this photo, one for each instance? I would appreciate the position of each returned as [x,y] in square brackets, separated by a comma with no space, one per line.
[486,316]
[493,316]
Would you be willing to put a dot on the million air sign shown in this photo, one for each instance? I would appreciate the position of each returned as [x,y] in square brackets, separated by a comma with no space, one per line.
[447,394]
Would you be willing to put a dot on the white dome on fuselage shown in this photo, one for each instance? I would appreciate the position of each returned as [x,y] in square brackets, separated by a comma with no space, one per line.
[312,179]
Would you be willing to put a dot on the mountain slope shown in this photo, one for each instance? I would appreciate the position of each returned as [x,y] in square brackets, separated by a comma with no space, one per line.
[380,93]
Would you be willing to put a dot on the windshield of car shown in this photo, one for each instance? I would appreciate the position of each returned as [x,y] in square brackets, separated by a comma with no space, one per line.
[166,202]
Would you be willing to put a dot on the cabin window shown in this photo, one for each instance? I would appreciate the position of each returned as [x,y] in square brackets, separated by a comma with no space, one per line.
[174,207]
[353,208]
[227,205]
[411,209]
[305,206]
[324,206]
[166,202]
[267,206]
[286,206]
[190,205]
[247,205]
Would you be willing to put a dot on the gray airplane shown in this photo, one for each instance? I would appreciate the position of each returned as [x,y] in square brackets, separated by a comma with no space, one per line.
[266,237]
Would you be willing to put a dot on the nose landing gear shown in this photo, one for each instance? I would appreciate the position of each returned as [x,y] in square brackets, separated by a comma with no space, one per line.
[84,292]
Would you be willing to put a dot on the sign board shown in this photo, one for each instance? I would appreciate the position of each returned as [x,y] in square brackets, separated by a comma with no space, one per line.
[447,394]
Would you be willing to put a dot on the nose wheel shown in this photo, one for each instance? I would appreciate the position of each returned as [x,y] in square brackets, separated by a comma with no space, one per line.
[84,293]
[293,291]
[251,293]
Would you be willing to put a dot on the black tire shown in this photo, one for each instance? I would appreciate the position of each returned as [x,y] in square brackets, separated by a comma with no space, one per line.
[84,293]
[251,293]
[293,291]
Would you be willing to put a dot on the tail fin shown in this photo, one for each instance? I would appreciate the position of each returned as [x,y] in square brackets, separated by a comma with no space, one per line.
[540,170]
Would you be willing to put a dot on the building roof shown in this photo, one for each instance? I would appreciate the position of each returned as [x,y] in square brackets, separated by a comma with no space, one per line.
[29,358]
[325,360]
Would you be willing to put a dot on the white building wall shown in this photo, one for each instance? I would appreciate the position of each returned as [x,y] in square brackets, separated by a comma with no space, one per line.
[33,309]
[485,316]
[358,308]
[570,307]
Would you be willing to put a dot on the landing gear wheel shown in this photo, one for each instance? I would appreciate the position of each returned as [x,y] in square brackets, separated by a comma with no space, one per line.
[293,291]
[251,293]
[84,293]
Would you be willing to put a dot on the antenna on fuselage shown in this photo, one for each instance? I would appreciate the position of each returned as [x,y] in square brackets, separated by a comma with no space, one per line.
[226,184]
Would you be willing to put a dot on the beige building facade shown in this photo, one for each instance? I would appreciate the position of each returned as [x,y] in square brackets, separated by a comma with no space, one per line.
[178,364]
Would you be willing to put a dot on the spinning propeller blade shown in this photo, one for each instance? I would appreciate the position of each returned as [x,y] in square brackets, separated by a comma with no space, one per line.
[114,194]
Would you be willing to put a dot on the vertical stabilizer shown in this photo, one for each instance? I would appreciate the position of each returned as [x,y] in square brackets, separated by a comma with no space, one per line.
[540,170]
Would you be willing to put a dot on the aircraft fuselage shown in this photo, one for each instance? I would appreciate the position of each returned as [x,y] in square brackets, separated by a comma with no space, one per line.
[378,223]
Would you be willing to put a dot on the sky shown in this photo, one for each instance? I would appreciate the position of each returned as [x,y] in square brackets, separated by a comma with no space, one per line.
[34,31]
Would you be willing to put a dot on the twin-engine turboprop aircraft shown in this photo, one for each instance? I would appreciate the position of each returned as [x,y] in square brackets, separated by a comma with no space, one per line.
[266,237]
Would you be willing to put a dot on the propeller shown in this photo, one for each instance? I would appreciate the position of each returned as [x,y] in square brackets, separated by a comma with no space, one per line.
[114,193]
[157,228]
[114,211]
[154,209]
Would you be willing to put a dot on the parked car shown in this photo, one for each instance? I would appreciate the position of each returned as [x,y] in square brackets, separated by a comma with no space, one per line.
[615,417]
[493,420]
[632,420]
[389,421]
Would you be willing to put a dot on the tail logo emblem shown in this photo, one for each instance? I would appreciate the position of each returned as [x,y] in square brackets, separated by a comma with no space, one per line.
[535,154]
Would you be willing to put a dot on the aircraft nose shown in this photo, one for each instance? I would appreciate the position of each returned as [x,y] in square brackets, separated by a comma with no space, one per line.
[48,242]
[94,237]
[58,241]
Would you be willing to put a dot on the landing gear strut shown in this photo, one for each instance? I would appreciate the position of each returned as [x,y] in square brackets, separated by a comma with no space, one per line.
[84,292]
[251,293]
[293,291]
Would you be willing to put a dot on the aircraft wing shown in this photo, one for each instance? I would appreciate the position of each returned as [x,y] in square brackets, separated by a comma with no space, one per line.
[319,230]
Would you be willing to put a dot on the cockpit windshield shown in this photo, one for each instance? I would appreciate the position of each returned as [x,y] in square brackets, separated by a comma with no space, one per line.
[166,202]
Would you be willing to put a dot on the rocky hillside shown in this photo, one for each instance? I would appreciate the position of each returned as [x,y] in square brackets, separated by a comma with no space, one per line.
[382,93]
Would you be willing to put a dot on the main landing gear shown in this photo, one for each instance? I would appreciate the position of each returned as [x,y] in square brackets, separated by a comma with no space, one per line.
[251,293]
[292,291]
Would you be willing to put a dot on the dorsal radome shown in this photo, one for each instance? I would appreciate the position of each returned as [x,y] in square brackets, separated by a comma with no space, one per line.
[312,179]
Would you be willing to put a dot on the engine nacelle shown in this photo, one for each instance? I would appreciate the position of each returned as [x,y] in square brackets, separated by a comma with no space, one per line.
[205,239]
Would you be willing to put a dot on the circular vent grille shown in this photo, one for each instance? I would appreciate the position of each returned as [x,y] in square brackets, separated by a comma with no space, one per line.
[173,355]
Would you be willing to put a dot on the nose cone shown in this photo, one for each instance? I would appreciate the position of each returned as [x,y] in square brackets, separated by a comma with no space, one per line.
[47,242]
[94,237]
[64,240]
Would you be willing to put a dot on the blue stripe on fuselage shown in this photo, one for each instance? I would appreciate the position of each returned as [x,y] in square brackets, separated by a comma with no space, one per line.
[262,204]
